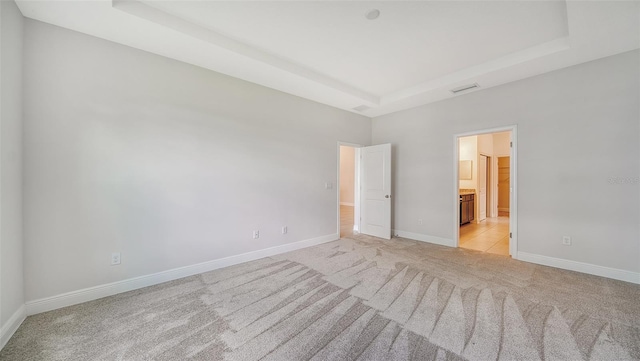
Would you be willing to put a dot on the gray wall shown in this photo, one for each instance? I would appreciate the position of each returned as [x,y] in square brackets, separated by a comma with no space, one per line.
[173,165]
[11,274]
[578,160]
[167,163]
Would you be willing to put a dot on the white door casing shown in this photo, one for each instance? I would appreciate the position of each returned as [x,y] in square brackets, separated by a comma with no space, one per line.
[375,195]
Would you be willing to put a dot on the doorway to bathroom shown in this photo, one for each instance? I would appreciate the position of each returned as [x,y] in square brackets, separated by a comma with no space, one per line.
[485,184]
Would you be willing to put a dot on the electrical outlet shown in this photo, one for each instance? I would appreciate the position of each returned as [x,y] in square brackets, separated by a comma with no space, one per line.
[284,230]
[115,258]
[566,240]
[419,220]
[256,234]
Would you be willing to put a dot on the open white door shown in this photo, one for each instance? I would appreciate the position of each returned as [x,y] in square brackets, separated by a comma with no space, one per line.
[375,195]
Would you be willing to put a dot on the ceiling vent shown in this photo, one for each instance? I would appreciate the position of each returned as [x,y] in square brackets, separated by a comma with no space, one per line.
[361,108]
[465,88]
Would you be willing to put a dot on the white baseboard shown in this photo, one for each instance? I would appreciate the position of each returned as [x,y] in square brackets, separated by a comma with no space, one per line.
[347,204]
[355,228]
[617,274]
[424,238]
[93,293]
[12,325]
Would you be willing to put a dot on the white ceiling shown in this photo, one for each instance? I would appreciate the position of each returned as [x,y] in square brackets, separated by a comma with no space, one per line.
[327,51]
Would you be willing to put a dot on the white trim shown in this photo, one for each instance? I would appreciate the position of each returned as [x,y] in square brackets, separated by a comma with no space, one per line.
[424,238]
[12,325]
[109,289]
[356,193]
[615,273]
[456,190]
[1,121]
[513,196]
[347,204]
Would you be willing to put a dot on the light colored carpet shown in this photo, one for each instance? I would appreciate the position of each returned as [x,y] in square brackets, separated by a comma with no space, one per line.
[352,299]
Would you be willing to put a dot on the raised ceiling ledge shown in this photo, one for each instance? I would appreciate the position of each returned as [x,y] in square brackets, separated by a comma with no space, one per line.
[469,74]
[150,13]
[593,30]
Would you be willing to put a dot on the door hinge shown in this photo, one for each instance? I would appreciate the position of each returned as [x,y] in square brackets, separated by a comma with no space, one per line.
[510,235]
[510,144]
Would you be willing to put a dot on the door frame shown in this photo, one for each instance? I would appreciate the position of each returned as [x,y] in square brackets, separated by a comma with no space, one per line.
[356,193]
[513,196]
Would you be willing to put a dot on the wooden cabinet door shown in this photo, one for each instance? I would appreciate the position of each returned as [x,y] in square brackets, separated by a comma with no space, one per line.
[504,183]
[464,212]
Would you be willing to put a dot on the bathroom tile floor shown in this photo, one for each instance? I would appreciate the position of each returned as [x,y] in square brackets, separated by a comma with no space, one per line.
[490,235]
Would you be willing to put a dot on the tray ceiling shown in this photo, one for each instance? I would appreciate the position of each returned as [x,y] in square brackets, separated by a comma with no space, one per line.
[328,51]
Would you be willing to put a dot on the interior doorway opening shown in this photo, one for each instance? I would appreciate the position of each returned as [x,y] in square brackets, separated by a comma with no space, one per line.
[364,178]
[348,195]
[485,184]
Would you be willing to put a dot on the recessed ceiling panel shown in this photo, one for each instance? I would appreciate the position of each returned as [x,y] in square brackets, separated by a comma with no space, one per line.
[409,43]
[412,53]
